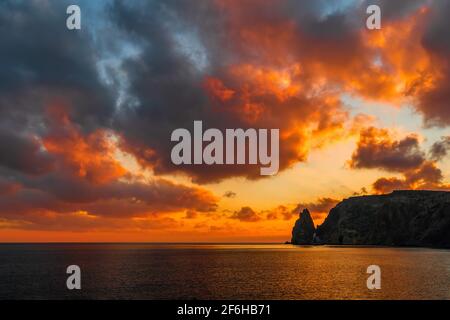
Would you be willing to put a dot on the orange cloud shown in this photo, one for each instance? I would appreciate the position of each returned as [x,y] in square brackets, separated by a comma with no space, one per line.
[88,188]
[88,156]
[8,187]
[246,214]
[217,89]
[275,68]
[319,210]
[426,177]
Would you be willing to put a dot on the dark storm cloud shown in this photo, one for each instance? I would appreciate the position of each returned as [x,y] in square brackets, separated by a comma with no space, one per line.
[118,199]
[8,186]
[392,10]
[377,149]
[168,80]
[214,61]
[435,103]
[42,60]
[85,176]
[190,54]
[436,36]
[42,64]
[37,49]
[23,153]
[179,45]
[54,106]
[185,48]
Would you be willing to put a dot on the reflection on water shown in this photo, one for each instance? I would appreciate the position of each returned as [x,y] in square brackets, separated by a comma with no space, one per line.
[225,271]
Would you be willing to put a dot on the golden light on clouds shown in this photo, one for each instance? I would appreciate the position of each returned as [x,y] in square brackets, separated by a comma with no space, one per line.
[92,161]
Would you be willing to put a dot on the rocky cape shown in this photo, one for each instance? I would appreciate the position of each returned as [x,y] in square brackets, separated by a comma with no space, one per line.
[401,218]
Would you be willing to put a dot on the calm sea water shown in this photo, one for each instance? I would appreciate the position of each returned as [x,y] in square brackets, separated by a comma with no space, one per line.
[184,271]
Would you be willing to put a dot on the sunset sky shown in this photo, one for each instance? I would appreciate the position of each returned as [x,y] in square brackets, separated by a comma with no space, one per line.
[86,115]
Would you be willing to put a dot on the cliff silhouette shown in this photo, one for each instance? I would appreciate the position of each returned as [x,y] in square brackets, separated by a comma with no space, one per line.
[304,230]
[401,218]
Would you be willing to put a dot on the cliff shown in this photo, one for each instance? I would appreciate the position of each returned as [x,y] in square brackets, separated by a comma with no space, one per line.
[401,218]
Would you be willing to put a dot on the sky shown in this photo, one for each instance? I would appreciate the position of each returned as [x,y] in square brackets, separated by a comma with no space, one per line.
[87,115]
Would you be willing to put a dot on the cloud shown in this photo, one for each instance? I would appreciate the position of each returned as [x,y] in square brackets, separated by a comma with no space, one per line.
[80,97]
[387,185]
[246,214]
[377,149]
[191,214]
[82,222]
[41,60]
[428,176]
[8,187]
[52,196]
[23,153]
[281,66]
[320,205]
[90,156]
[87,184]
[246,83]
[281,211]
[440,149]
[229,194]
[319,209]
[60,171]
[433,101]
[362,191]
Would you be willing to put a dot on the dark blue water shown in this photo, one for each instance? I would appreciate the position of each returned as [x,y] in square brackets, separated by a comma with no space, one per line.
[180,271]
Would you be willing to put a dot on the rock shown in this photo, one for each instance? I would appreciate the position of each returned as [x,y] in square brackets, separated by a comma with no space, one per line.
[316,239]
[401,218]
[304,230]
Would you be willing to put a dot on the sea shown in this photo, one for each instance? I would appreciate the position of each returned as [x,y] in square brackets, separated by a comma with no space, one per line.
[221,271]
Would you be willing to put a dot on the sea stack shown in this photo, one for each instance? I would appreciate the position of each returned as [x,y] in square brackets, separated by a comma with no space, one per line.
[304,230]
